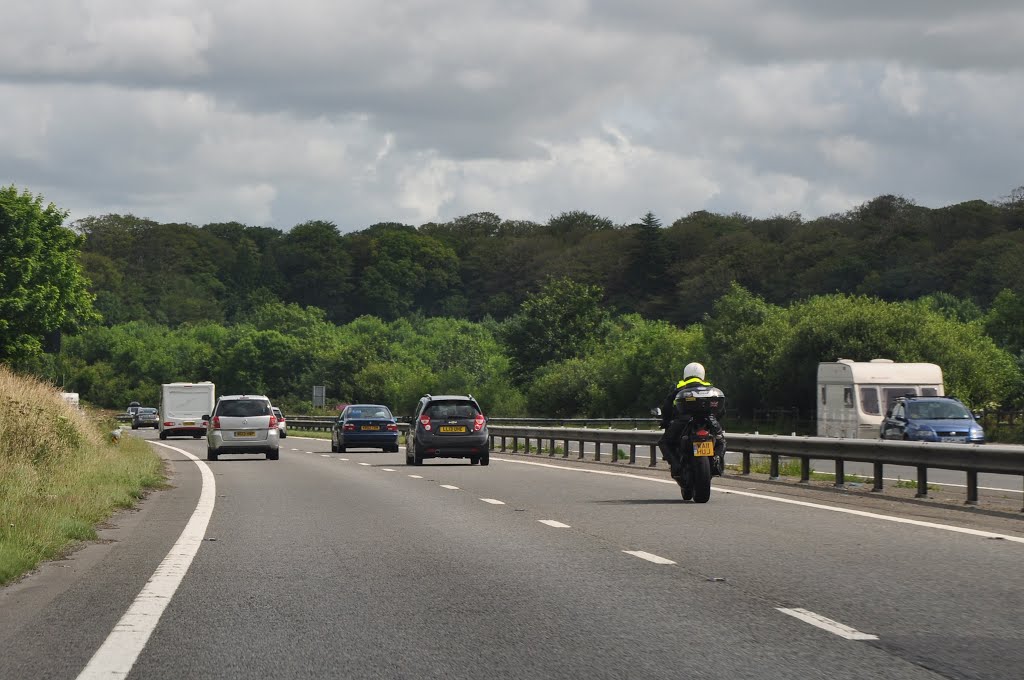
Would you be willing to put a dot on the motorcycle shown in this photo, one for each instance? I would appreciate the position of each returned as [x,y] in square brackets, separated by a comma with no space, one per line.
[702,453]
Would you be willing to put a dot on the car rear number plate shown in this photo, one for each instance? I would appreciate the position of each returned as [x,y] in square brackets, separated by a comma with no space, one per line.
[245,434]
[189,422]
[453,428]
[370,427]
[953,440]
[704,448]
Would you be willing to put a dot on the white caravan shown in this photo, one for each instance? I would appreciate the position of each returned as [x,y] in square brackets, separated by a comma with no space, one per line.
[853,396]
[182,407]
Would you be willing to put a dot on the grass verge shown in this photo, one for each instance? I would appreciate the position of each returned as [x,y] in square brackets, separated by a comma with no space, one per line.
[60,475]
[312,434]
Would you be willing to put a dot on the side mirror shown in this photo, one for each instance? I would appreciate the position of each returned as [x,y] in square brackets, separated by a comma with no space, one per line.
[656,412]
[976,414]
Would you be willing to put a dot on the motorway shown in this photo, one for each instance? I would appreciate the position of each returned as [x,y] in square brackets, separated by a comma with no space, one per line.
[355,565]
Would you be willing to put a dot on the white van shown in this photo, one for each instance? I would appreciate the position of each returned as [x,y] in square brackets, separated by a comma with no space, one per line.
[182,407]
[853,396]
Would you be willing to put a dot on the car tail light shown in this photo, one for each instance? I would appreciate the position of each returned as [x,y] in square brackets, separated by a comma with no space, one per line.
[392,427]
[273,421]
[425,422]
[216,422]
[478,422]
[349,427]
[169,424]
[702,433]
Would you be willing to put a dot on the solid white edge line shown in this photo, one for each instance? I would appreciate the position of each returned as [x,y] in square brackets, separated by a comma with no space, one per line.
[650,557]
[117,654]
[449,486]
[831,626]
[554,523]
[789,501]
[492,501]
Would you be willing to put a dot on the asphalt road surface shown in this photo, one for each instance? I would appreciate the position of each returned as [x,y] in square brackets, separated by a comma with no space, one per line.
[355,565]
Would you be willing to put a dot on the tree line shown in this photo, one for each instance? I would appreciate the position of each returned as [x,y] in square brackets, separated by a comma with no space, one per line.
[575,317]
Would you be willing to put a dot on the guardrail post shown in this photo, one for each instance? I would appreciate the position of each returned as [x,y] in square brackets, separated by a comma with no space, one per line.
[773,474]
[597,451]
[922,482]
[491,438]
[632,454]
[526,444]
[580,455]
[805,470]
[878,478]
[565,448]
[503,443]
[551,447]
[654,458]
[515,443]
[972,487]
[746,463]
[840,474]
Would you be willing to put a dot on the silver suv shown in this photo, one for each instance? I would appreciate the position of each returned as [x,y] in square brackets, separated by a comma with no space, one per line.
[242,423]
[448,426]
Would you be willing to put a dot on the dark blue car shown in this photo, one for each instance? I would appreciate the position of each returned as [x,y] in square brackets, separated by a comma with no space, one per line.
[365,426]
[932,419]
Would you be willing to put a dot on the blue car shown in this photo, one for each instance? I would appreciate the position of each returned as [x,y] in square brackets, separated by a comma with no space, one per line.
[365,426]
[931,419]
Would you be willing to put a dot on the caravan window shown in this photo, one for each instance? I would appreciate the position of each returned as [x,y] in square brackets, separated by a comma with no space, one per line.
[869,401]
[848,397]
[893,393]
[929,392]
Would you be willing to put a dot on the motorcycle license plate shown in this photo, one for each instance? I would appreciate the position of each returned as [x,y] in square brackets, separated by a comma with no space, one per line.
[703,448]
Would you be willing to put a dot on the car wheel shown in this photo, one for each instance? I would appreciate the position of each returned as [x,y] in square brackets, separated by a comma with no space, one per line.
[394,449]
[341,449]
[163,435]
[485,457]
[196,436]
[284,435]
[334,447]
[210,454]
[134,426]
[274,455]
[417,456]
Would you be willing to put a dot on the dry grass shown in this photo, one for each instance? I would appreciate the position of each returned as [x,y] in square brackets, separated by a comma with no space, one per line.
[60,475]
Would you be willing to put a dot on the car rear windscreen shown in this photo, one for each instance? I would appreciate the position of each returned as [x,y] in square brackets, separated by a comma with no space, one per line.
[452,409]
[243,408]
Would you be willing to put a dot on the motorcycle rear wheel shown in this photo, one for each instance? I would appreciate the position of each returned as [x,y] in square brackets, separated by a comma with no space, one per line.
[699,477]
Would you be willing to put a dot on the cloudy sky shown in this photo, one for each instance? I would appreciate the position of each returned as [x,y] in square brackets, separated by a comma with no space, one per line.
[361,111]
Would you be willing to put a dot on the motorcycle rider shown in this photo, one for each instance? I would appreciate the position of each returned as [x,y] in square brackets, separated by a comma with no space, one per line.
[674,422]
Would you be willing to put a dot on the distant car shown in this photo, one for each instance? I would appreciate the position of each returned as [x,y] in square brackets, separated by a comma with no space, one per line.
[447,426]
[242,423]
[363,426]
[282,426]
[146,417]
[931,419]
[133,408]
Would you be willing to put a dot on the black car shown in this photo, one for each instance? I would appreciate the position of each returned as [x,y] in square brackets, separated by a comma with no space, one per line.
[448,426]
[146,416]
[363,426]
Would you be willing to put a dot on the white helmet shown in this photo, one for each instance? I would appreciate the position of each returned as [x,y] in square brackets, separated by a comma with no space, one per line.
[693,370]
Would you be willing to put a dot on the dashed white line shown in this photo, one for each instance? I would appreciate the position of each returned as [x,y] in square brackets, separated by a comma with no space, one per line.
[492,501]
[325,455]
[416,476]
[648,556]
[344,459]
[449,486]
[117,654]
[554,523]
[831,626]
[788,501]
[387,469]
[365,464]
[294,449]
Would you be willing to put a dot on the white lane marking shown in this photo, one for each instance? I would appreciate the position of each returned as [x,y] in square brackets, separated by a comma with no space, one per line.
[554,523]
[827,624]
[366,464]
[294,449]
[344,459]
[324,455]
[449,486]
[387,469]
[416,476]
[117,654]
[492,501]
[789,501]
[648,556]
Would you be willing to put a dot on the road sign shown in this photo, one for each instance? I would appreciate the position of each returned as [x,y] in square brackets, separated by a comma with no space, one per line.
[319,394]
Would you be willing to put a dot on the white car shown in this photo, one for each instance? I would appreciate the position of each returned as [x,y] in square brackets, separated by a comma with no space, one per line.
[242,423]
[282,426]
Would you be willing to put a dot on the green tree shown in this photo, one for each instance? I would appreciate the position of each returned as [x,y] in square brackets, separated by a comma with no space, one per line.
[42,289]
[564,319]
